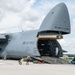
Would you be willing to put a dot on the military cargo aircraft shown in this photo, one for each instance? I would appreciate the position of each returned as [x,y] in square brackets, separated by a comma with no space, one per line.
[41,42]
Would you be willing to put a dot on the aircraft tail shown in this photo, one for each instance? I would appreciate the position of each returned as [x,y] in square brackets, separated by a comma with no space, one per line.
[57,22]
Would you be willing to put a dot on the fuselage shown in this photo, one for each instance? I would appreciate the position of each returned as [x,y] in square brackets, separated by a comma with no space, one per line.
[27,43]
[22,44]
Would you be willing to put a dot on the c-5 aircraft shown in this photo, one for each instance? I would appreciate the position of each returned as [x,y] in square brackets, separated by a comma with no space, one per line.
[41,42]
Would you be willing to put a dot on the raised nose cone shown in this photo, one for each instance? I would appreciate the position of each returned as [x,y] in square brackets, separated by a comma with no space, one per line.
[57,20]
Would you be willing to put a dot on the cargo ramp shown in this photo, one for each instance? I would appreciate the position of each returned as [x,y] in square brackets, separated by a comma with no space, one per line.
[51,60]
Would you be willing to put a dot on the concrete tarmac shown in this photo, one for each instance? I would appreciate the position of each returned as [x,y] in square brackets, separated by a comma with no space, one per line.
[11,67]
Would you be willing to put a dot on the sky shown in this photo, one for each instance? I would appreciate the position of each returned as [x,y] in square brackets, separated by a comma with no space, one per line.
[18,15]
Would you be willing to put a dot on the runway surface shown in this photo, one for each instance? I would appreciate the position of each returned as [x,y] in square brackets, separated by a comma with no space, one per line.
[11,67]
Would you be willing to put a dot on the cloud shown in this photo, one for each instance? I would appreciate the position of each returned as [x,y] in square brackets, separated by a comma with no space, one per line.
[14,13]
[71,7]
[16,5]
[68,45]
[22,14]
[9,21]
[73,27]
[27,10]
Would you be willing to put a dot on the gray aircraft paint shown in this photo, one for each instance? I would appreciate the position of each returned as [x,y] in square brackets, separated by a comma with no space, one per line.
[22,44]
[25,43]
[57,20]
